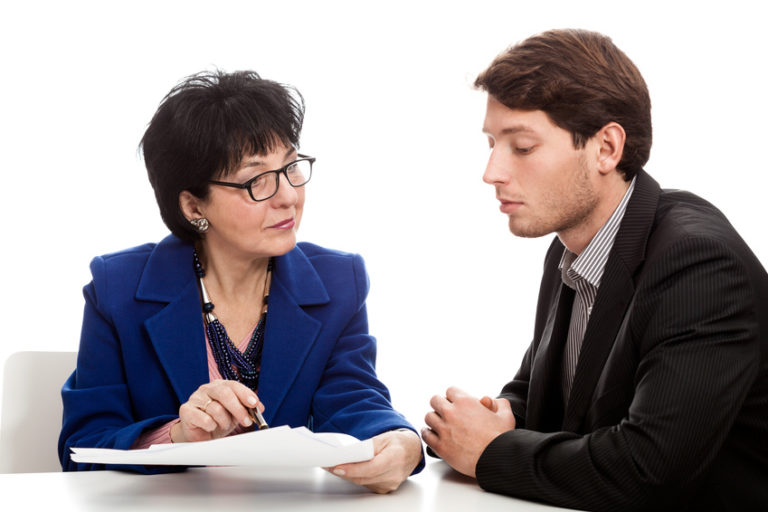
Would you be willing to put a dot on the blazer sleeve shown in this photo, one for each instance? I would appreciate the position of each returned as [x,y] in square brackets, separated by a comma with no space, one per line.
[695,327]
[96,397]
[516,391]
[350,397]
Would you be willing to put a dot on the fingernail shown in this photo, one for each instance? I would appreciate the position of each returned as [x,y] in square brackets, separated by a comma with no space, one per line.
[252,400]
[339,472]
[247,422]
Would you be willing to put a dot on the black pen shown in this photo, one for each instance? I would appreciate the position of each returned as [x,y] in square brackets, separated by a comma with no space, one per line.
[258,419]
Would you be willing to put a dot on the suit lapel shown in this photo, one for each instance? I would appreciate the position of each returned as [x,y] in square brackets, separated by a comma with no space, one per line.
[290,331]
[178,337]
[614,295]
[544,413]
[176,330]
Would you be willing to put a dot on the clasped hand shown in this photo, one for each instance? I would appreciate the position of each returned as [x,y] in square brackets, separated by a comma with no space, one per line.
[461,427]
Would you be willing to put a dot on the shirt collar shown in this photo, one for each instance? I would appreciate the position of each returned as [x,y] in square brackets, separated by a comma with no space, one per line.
[590,264]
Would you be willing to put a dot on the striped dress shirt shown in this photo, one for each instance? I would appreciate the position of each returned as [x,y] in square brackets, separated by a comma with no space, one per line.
[583,273]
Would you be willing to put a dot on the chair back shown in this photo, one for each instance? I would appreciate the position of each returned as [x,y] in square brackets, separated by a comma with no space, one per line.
[31,410]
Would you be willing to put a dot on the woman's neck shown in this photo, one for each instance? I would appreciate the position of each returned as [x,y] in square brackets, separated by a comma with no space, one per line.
[230,278]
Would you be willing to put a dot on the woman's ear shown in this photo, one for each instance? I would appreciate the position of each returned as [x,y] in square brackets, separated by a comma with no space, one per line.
[610,139]
[190,205]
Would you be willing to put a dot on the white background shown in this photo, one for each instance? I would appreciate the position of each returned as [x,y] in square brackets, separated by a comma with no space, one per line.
[395,125]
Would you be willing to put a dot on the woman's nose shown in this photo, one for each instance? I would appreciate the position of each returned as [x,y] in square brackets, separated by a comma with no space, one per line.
[286,193]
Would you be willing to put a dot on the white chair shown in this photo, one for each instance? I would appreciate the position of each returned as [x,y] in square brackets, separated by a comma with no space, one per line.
[31,414]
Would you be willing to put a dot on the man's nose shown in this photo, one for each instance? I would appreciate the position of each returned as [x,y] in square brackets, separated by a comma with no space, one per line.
[496,171]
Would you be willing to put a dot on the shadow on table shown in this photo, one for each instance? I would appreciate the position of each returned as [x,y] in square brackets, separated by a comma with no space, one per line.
[228,487]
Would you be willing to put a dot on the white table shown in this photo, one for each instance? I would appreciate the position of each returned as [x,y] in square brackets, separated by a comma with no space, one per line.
[235,489]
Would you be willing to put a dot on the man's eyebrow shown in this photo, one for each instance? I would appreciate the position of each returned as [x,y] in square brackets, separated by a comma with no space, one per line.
[517,128]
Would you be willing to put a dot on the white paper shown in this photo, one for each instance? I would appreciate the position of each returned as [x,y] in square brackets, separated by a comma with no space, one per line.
[279,446]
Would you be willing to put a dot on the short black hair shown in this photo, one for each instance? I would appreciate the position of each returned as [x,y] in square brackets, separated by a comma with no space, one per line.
[206,125]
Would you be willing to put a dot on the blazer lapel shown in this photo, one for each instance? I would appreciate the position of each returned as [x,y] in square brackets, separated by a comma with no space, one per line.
[545,413]
[614,295]
[290,331]
[176,330]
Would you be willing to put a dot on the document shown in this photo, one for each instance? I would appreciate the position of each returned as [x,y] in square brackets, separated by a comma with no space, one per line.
[279,446]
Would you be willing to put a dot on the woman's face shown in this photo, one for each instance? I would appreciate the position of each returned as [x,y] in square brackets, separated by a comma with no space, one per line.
[244,228]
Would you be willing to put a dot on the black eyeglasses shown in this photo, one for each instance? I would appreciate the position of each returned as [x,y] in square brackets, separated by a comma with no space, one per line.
[262,187]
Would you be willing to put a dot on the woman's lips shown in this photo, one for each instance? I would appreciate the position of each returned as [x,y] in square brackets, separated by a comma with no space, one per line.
[284,224]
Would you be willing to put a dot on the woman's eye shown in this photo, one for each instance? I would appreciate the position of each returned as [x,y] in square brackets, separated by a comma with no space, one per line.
[259,183]
[524,151]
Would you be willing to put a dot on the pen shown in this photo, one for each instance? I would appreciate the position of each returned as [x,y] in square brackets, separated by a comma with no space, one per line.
[258,419]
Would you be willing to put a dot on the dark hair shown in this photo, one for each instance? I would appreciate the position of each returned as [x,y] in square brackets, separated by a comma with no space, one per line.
[205,126]
[582,81]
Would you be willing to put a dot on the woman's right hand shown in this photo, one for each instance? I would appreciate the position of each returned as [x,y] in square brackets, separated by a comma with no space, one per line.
[214,410]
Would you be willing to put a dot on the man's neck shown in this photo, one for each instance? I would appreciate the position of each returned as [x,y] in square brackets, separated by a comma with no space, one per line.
[577,238]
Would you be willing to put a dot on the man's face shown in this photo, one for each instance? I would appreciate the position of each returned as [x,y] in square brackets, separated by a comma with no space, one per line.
[542,181]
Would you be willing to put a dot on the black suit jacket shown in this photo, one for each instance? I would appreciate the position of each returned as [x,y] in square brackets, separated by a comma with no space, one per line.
[669,404]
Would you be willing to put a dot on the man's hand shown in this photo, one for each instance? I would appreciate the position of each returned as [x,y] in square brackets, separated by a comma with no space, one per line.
[461,426]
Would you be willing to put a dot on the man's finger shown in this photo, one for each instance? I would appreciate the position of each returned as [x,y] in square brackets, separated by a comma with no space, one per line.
[434,420]
[439,404]
[429,436]
[489,403]
[453,393]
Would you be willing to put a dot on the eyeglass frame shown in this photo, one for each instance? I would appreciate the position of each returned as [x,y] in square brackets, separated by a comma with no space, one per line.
[277,172]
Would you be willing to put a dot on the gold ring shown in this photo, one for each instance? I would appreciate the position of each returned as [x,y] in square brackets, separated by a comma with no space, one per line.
[206,404]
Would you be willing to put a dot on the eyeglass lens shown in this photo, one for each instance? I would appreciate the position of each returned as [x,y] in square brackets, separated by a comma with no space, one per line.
[297,173]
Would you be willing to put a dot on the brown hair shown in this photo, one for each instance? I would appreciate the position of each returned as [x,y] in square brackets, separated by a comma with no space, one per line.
[582,81]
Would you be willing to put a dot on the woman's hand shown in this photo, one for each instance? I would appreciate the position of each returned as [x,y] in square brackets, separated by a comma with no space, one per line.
[395,454]
[214,410]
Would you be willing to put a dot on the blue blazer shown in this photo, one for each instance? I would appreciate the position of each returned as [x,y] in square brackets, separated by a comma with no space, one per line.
[142,349]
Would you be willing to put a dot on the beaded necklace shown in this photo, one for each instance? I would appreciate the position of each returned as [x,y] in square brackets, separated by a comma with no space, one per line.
[234,365]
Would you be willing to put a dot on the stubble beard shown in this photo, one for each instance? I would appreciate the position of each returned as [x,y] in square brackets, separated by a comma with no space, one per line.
[562,210]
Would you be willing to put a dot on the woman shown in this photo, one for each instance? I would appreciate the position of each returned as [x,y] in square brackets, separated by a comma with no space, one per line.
[178,343]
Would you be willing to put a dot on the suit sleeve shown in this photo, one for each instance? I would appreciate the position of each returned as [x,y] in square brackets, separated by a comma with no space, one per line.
[96,398]
[350,397]
[694,325]
[516,391]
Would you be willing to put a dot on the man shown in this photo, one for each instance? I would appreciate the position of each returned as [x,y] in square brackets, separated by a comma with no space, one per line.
[646,383]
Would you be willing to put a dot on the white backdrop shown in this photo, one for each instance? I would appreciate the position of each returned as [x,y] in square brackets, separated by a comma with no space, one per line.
[395,125]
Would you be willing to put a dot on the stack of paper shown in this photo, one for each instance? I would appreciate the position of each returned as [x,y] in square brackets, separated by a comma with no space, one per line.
[280,446]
